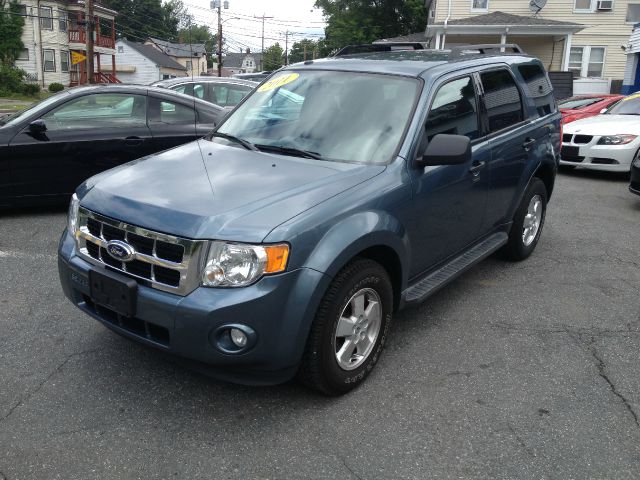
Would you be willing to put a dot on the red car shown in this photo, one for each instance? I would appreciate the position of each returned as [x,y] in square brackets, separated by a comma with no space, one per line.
[583,106]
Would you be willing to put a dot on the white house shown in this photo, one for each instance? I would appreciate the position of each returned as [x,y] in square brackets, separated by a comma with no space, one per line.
[143,64]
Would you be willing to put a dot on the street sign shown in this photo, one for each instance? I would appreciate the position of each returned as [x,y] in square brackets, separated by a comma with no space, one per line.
[77,57]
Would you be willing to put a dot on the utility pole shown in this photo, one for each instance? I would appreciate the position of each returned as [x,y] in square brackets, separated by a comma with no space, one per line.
[263,17]
[89,29]
[286,48]
[219,39]
[305,52]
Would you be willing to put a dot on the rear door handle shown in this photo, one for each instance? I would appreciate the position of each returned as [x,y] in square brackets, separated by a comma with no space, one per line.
[476,167]
[133,141]
[528,143]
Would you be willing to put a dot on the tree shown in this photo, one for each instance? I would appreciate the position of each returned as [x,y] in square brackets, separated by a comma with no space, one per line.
[11,24]
[298,49]
[138,20]
[200,34]
[363,21]
[272,57]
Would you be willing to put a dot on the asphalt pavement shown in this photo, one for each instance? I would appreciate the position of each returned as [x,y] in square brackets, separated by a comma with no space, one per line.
[515,370]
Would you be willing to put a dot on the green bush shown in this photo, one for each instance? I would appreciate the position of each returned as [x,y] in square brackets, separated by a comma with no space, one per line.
[56,87]
[11,79]
[30,89]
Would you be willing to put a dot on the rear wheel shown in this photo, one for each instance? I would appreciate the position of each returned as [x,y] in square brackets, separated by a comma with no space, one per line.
[527,222]
[349,329]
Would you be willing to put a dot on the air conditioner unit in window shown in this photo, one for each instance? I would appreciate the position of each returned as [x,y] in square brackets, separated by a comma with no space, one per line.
[605,4]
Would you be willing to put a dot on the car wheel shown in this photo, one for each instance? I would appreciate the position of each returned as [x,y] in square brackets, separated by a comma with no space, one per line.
[349,329]
[527,222]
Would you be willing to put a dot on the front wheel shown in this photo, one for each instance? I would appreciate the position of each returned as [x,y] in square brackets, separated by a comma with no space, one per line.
[349,329]
[527,222]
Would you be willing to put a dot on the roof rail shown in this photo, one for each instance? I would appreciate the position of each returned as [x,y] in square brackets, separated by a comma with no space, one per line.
[379,47]
[485,48]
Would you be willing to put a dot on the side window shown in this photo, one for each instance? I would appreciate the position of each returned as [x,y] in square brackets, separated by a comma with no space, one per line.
[229,95]
[454,110]
[539,88]
[198,90]
[100,110]
[502,99]
[170,113]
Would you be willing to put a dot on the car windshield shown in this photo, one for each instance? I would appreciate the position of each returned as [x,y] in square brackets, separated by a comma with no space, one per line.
[17,117]
[578,102]
[341,116]
[627,106]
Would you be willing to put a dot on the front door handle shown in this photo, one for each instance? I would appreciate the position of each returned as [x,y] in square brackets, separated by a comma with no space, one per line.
[476,167]
[133,141]
[528,143]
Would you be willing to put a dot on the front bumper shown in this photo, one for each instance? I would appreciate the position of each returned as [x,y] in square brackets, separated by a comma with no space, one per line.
[606,158]
[278,308]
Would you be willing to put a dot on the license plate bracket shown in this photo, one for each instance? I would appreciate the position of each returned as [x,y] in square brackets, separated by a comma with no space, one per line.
[571,152]
[113,291]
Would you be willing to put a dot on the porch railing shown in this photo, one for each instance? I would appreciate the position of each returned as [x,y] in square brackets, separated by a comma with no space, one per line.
[80,36]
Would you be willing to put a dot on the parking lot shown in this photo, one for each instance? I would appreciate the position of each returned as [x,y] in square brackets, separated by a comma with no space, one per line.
[525,370]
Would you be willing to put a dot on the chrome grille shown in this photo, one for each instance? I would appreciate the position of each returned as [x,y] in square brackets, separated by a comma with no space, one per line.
[163,262]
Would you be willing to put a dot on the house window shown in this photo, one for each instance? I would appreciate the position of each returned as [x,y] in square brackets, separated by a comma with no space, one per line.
[633,13]
[62,20]
[23,55]
[587,61]
[479,5]
[583,6]
[189,65]
[46,18]
[49,60]
[23,10]
[64,60]
[120,49]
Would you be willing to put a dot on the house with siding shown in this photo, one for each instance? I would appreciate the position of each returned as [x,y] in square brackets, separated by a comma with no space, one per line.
[192,56]
[55,28]
[143,64]
[245,62]
[585,37]
[631,82]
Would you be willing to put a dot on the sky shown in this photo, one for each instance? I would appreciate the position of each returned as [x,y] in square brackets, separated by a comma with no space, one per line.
[242,30]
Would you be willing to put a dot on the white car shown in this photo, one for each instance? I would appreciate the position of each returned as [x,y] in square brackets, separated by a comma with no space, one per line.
[608,142]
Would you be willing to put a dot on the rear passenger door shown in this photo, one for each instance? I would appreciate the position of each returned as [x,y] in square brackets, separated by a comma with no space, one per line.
[171,122]
[511,140]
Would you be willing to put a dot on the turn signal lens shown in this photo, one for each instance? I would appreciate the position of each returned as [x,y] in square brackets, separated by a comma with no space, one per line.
[277,256]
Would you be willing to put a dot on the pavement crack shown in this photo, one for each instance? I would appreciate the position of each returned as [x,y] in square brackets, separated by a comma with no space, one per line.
[602,371]
[346,465]
[26,398]
[521,441]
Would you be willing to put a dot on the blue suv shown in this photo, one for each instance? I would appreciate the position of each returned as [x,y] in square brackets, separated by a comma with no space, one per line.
[338,192]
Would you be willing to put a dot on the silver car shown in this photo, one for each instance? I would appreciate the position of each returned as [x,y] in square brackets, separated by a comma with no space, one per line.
[224,92]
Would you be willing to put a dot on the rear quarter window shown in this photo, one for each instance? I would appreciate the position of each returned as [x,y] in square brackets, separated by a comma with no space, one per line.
[538,88]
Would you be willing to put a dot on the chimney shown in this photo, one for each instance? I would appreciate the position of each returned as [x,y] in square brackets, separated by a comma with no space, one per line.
[248,50]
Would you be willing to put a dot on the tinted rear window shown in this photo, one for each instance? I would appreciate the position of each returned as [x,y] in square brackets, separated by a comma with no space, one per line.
[539,88]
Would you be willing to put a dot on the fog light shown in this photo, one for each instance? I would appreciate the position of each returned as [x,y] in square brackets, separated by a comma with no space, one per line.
[238,337]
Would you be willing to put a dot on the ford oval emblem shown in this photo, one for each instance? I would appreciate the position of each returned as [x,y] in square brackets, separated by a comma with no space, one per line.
[121,250]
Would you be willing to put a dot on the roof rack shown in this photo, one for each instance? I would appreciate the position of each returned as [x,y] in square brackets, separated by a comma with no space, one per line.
[379,47]
[485,48]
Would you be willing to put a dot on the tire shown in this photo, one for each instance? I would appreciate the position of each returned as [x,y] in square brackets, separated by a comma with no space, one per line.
[522,243]
[342,325]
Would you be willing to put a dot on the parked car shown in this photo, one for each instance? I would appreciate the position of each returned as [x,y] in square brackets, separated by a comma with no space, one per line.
[634,186]
[224,92]
[255,77]
[585,106]
[47,150]
[283,243]
[607,142]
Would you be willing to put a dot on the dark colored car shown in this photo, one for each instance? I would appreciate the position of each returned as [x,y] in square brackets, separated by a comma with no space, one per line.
[224,92]
[47,150]
[585,106]
[634,187]
[338,192]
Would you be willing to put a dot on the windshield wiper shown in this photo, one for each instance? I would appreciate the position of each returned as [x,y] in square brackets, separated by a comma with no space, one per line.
[291,151]
[246,144]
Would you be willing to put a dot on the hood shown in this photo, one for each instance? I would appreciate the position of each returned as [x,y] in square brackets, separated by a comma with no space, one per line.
[207,190]
[605,125]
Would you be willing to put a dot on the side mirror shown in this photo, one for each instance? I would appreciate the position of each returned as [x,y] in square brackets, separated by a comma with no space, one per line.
[37,127]
[444,149]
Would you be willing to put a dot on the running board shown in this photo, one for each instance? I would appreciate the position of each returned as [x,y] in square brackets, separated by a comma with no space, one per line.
[434,281]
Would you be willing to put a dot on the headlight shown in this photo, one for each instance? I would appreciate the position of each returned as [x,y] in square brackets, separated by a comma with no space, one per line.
[72,218]
[616,139]
[239,265]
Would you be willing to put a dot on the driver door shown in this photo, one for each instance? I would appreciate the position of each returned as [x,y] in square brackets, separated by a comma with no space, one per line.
[83,137]
[449,201]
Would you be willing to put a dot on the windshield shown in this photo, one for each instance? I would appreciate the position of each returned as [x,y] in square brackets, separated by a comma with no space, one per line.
[17,117]
[578,102]
[627,106]
[342,116]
